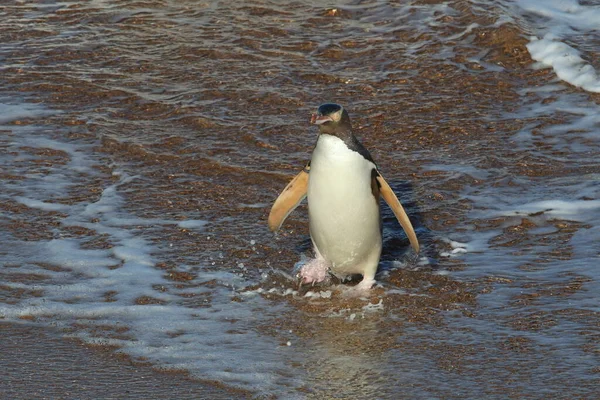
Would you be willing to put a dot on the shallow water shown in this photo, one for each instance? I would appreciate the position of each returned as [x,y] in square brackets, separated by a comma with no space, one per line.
[144,142]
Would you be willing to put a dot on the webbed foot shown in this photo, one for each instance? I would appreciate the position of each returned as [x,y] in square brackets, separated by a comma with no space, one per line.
[314,271]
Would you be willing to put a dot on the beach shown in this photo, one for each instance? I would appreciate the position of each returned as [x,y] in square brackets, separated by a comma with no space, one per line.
[142,145]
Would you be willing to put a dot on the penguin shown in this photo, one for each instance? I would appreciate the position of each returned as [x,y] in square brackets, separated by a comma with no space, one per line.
[342,185]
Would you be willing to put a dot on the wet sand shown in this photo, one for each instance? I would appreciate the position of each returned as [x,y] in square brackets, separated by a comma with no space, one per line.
[195,112]
[38,363]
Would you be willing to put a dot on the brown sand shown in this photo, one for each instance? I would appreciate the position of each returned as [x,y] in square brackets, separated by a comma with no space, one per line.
[38,364]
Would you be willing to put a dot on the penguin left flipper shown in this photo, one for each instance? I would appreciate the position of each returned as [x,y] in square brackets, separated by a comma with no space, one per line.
[289,199]
[390,198]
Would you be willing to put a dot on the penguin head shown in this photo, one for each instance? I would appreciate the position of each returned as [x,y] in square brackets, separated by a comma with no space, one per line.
[332,119]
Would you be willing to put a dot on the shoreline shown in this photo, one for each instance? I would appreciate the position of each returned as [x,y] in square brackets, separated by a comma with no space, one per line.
[39,363]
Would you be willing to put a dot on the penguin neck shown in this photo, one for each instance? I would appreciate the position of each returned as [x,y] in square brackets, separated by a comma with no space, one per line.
[351,142]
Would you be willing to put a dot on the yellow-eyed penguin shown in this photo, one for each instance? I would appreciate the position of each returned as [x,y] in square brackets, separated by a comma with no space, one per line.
[343,186]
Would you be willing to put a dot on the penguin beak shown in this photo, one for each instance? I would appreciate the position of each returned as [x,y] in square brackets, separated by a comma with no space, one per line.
[320,119]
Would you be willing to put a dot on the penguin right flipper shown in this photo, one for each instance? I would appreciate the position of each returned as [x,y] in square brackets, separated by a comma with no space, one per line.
[289,199]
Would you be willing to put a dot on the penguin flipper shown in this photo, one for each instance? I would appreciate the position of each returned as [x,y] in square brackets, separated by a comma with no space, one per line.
[390,198]
[289,199]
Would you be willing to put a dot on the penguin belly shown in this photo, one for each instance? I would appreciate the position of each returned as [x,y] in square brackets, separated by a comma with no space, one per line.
[344,217]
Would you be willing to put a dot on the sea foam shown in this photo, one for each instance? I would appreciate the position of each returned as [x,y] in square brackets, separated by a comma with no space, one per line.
[560,29]
[566,62]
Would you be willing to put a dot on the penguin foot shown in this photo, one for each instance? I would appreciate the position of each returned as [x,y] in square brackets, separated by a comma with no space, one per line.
[365,285]
[314,271]
[362,290]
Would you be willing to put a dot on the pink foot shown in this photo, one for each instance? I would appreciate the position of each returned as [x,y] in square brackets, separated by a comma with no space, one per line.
[314,271]
[365,285]
[363,289]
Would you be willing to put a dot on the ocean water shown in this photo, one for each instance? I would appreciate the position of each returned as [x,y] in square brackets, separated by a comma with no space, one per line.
[142,144]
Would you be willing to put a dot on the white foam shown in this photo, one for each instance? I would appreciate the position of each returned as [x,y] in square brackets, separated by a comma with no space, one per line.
[477,244]
[68,254]
[41,205]
[563,17]
[456,249]
[562,26]
[192,224]
[13,112]
[374,307]
[566,62]
[254,205]
[576,210]
[44,183]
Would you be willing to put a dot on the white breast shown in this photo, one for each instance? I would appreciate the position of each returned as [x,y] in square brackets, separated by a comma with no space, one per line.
[343,214]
